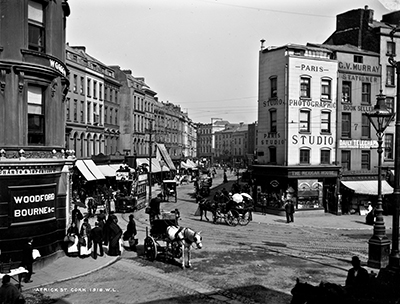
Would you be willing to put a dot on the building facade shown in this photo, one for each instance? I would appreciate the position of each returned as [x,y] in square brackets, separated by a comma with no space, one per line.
[296,147]
[34,164]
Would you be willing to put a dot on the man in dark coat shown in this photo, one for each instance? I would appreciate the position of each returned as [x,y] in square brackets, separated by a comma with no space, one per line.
[155,207]
[96,235]
[289,210]
[357,277]
[130,233]
[27,259]
[9,293]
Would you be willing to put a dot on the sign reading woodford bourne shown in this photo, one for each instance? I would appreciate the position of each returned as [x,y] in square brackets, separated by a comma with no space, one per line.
[32,203]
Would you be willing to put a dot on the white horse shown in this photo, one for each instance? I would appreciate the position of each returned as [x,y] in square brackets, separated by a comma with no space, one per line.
[185,238]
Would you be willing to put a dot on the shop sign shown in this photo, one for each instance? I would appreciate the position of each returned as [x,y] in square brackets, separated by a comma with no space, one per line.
[7,170]
[121,176]
[359,67]
[59,67]
[311,103]
[33,203]
[358,144]
[312,173]
[274,183]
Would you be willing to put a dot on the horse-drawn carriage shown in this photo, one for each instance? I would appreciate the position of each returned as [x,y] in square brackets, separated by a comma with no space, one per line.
[168,239]
[232,210]
[169,190]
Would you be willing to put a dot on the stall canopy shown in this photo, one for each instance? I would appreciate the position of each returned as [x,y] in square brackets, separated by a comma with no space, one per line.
[162,154]
[368,187]
[155,165]
[110,170]
[89,169]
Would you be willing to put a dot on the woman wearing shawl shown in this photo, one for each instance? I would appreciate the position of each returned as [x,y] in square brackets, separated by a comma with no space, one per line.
[114,233]
[85,241]
[73,232]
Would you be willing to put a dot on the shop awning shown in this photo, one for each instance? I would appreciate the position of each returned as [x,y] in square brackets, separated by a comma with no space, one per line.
[155,165]
[110,170]
[368,187]
[89,169]
[165,156]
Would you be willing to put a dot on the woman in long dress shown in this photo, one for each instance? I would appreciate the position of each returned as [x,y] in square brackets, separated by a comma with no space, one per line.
[114,233]
[85,248]
[73,233]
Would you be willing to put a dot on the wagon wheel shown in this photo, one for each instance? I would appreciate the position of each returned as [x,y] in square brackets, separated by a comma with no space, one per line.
[245,218]
[216,215]
[232,218]
[150,248]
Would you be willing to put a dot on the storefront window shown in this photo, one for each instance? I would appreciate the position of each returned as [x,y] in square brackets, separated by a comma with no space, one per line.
[309,194]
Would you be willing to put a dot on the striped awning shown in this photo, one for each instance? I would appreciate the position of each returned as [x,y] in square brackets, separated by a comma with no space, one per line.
[89,169]
[368,187]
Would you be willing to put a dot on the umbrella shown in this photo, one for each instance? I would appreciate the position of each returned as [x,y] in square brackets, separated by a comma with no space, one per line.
[237,198]
[246,195]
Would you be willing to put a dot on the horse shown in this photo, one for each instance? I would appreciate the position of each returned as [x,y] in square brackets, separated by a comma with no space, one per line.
[204,206]
[185,238]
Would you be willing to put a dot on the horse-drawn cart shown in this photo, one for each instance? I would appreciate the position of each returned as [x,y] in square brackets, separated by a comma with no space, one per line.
[169,190]
[170,240]
[158,234]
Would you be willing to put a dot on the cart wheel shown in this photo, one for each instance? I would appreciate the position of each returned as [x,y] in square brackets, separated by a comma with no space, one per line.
[232,218]
[150,248]
[245,218]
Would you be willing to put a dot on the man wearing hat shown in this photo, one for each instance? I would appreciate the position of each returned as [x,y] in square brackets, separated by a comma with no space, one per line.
[357,277]
[130,233]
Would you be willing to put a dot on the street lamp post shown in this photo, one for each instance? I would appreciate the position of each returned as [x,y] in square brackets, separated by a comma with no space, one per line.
[379,244]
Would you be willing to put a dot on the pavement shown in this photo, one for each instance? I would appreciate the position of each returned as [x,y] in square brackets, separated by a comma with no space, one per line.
[65,268]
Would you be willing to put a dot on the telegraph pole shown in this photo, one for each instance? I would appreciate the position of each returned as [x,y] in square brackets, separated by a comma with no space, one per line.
[150,153]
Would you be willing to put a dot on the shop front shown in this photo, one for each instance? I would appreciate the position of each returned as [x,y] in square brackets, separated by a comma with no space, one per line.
[34,203]
[312,188]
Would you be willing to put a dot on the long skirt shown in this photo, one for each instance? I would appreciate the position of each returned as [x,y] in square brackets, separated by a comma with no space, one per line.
[73,248]
[85,250]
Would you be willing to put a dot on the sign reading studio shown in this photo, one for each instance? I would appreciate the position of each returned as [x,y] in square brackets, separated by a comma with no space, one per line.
[32,204]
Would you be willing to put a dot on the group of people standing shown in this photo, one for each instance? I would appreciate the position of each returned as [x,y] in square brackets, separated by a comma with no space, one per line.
[83,240]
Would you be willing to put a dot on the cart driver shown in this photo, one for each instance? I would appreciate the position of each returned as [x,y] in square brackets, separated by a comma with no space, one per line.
[155,207]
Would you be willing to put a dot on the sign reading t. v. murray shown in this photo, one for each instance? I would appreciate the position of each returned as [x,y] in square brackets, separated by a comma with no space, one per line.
[33,203]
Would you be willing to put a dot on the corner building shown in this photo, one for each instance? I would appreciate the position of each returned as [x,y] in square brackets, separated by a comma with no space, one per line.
[296,145]
[34,167]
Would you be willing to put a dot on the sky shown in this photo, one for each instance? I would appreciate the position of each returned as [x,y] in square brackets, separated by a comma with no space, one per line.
[203,54]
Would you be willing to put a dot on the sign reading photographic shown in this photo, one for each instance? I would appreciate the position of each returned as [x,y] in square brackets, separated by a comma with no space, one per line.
[33,203]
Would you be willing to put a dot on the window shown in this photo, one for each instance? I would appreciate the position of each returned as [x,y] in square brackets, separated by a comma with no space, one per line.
[272,154]
[365,160]
[390,103]
[305,156]
[346,160]
[100,91]
[326,89]
[82,85]
[365,126]
[388,146]
[274,87]
[272,116]
[75,83]
[325,157]
[390,48]
[304,121]
[94,89]
[366,93]
[35,26]
[35,115]
[390,75]
[88,113]
[68,109]
[105,114]
[305,87]
[88,87]
[346,125]
[75,110]
[346,92]
[116,116]
[82,111]
[326,122]
[358,59]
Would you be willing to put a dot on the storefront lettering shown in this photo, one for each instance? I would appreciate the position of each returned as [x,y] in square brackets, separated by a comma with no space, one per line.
[311,103]
[33,211]
[357,108]
[353,66]
[357,144]
[312,140]
[272,135]
[34,198]
[272,141]
[58,67]
[312,173]
[25,171]
[359,78]
[311,68]
[273,102]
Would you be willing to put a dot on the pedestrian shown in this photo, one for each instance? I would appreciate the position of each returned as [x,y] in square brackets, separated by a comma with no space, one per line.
[85,241]
[73,240]
[9,293]
[289,210]
[130,233]
[101,219]
[96,235]
[225,178]
[114,233]
[77,216]
[357,277]
[27,259]
[155,208]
